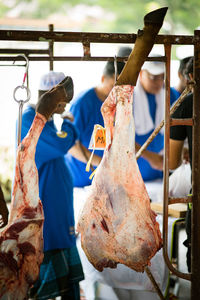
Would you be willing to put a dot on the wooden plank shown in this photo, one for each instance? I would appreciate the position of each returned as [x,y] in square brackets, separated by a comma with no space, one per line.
[177,210]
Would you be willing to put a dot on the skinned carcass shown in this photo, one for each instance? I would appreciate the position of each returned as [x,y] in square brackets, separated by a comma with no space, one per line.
[117,224]
[21,242]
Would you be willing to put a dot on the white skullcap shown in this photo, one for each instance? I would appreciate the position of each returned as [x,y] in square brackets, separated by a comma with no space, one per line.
[50,79]
[154,67]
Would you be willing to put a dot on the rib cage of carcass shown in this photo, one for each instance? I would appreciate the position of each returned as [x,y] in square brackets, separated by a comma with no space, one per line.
[117,224]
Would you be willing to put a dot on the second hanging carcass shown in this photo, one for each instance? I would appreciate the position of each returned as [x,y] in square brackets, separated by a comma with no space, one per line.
[117,224]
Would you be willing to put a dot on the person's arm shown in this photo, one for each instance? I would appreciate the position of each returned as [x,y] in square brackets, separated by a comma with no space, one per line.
[177,136]
[154,159]
[80,152]
[175,153]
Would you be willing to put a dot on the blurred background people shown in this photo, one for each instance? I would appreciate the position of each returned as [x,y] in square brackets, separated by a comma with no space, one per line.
[178,134]
[181,75]
[148,110]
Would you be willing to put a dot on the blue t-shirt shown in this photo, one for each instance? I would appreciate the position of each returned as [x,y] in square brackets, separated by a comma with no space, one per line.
[86,109]
[174,94]
[147,172]
[55,181]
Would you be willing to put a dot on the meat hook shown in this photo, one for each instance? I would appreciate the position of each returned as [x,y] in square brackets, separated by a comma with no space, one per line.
[20,101]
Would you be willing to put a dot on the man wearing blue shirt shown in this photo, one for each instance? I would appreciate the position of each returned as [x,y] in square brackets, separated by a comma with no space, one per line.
[61,269]
[148,110]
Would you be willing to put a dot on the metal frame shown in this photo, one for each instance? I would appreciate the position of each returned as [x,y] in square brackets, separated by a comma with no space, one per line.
[86,39]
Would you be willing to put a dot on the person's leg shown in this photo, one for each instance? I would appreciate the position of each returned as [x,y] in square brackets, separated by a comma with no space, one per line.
[73,293]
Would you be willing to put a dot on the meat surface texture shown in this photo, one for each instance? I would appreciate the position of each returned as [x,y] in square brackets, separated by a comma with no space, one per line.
[117,224]
[21,242]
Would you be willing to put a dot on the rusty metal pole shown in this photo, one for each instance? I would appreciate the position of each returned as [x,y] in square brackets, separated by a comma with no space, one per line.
[166,156]
[195,263]
[166,167]
[51,28]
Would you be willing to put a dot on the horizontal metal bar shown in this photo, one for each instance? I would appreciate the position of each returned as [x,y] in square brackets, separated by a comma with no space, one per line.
[28,51]
[73,58]
[11,65]
[180,200]
[187,122]
[60,58]
[88,37]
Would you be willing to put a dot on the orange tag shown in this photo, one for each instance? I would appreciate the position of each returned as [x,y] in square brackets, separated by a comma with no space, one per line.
[97,142]
[100,138]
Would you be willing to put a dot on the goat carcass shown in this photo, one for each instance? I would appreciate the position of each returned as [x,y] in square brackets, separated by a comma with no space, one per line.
[117,224]
[21,243]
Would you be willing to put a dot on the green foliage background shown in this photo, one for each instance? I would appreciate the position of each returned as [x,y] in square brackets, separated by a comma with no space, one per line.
[183,15]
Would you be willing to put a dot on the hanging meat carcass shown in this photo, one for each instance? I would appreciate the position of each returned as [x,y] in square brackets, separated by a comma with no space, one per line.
[21,242]
[117,224]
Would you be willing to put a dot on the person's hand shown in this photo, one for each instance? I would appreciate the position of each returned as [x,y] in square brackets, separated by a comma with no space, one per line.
[67,116]
[54,101]
[60,108]
[80,152]
[185,155]
[154,159]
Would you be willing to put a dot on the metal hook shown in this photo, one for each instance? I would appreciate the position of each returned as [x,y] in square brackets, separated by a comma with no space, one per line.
[20,101]
[22,86]
[26,66]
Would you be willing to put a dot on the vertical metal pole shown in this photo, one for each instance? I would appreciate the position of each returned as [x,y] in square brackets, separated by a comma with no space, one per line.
[166,152]
[27,80]
[51,45]
[195,226]
[19,123]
